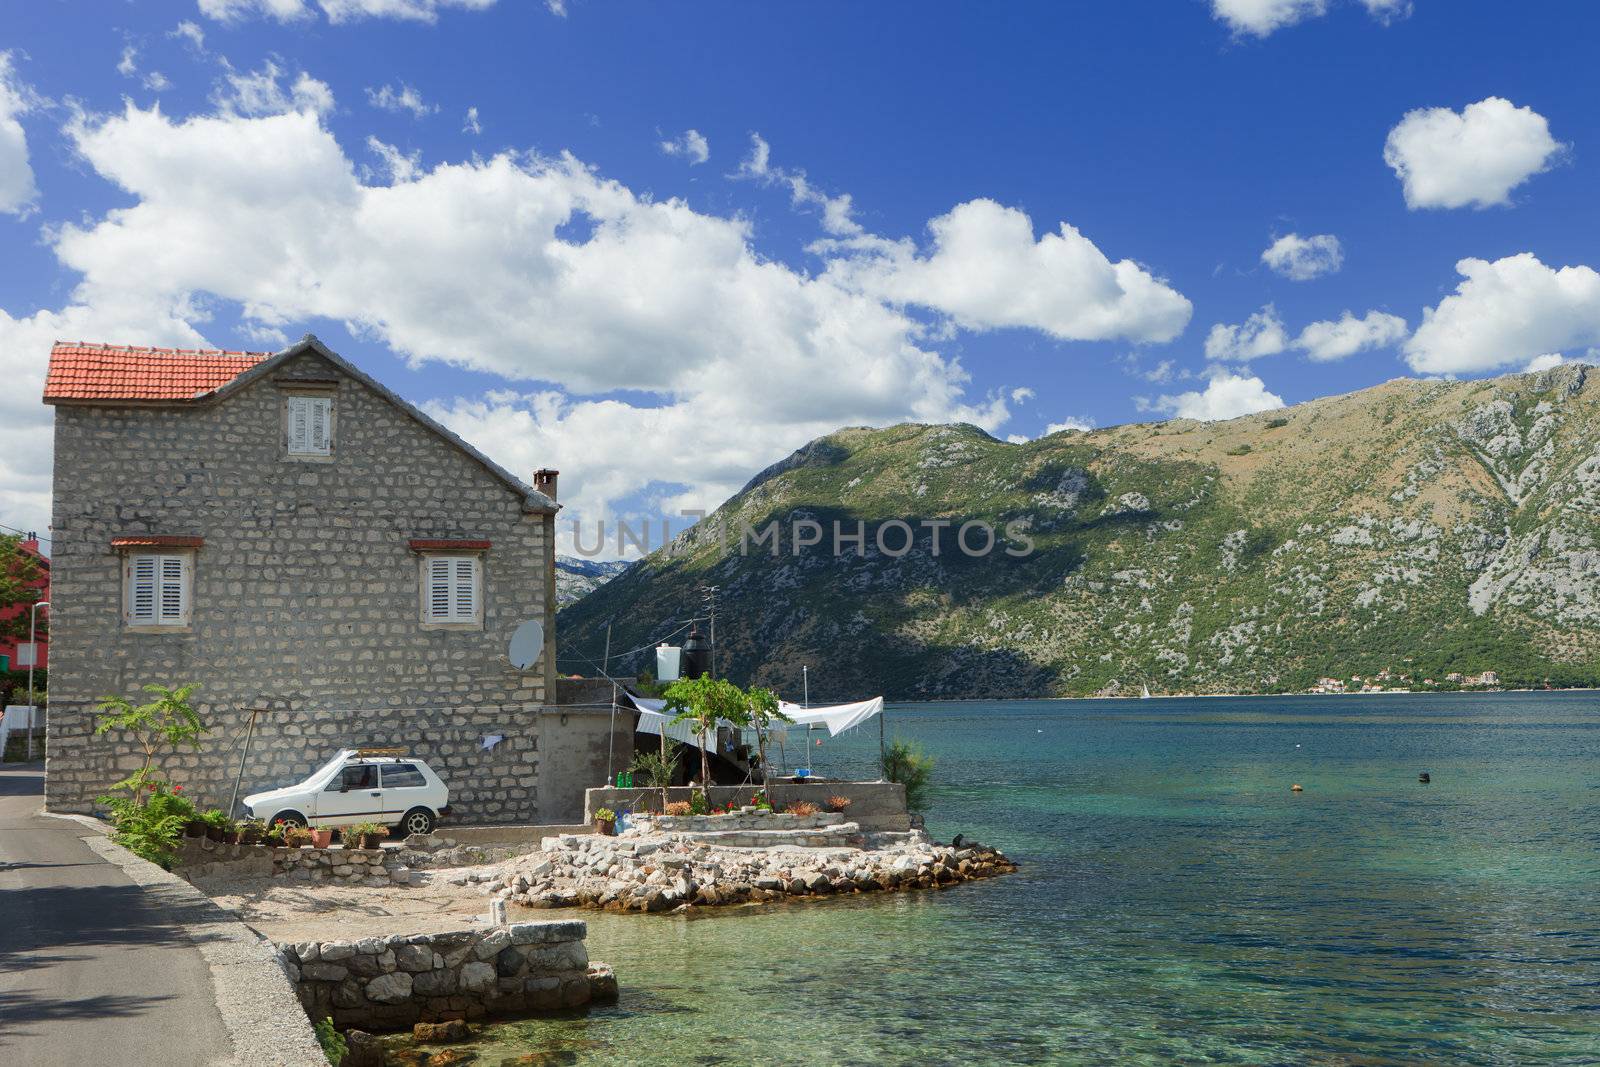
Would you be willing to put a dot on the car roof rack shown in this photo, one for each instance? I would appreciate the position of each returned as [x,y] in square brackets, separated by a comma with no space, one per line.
[396,752]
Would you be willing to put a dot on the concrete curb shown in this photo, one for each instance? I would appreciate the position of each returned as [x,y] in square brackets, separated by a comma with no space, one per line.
[259,1007]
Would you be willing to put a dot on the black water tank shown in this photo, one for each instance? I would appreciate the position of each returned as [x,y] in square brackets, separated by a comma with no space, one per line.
[696,655]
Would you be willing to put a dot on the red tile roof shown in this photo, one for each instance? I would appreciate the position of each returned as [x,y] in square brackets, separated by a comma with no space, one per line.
[81,371]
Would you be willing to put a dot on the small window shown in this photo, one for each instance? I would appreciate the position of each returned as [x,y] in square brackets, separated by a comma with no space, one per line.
[310,425]
[452,590]
[158,589]
[402,776]
[357,776]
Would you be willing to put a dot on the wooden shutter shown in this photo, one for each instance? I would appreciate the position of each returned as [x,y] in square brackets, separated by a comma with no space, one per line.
[142,583]
[310,425]
[174,605]
[452,593]
[466,589]
[299,424]
[158,590]
[321,416]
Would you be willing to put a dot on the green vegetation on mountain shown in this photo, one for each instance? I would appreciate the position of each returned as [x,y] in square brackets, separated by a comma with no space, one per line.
[1422,527]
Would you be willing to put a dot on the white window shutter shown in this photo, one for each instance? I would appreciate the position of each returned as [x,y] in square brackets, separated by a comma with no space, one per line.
[439,589]
[453,593]
[321,415]
[174,606]
[142,590]
[466,591]
[299,424]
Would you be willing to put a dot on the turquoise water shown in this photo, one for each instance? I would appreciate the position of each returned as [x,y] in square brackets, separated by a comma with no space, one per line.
[1177,902]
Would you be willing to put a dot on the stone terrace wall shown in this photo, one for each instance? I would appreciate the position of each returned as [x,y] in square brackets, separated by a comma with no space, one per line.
[874,805]
[390,983]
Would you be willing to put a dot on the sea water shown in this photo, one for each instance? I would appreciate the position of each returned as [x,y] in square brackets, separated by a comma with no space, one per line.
[1177,901]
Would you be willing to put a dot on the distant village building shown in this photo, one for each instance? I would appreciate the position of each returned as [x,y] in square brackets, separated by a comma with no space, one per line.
[296,538]
[10,660]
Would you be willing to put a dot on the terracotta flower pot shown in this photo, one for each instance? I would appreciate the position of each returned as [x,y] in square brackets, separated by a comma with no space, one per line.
[605,827]
[321,838]
[369,841]
[194,828]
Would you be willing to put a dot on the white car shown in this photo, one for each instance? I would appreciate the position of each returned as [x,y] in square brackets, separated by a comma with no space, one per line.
[359,785]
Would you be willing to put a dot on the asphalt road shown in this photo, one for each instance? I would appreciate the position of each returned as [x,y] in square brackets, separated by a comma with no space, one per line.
[93,968]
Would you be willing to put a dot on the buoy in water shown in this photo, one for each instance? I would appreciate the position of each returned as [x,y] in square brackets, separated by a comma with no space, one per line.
[1296,788]
[1424,777]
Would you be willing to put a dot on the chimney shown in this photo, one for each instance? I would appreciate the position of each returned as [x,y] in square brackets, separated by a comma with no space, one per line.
[544,480]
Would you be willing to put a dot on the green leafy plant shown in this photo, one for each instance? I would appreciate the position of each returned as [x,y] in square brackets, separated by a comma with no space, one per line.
[908,765]
[655,769]
[363,834]
[334,1046]
[699,804]
[150,827]
[251,831]
[762,711]
[605,815]
[704,703]
[167,722]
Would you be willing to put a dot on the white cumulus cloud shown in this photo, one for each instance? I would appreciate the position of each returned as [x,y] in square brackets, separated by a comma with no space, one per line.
[261,92]
[1324,342]
[986,270]
[692,146]
[1301,259]
[1475,158]
[17,188]
[1258,18]
[1262,334]
[1505,313]
[1226,396]
[402,98]
[837,211]
[1545,362]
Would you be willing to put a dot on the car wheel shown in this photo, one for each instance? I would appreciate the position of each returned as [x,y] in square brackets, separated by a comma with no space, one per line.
[417,821]
[288,818]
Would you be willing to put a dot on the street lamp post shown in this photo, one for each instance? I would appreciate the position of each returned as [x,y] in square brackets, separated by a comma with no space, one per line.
[33,627]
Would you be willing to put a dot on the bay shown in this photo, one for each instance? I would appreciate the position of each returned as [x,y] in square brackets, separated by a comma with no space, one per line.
[1177,901]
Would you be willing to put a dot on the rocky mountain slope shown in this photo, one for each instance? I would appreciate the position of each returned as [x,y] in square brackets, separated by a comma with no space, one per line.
[1420,526]
[576,577]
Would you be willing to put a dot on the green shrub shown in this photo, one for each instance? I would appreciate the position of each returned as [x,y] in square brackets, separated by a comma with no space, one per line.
[908,765]
[334,1046]
[151,829]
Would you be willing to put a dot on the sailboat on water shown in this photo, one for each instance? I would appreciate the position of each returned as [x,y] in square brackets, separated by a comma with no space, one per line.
[1145,695]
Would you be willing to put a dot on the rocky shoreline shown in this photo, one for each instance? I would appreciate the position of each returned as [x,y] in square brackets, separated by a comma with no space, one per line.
[667,865]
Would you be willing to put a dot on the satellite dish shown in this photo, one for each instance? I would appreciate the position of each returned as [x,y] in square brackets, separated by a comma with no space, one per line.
[527,645]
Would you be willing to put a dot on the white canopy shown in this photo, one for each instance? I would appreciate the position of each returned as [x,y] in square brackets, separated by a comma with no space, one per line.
[837,717]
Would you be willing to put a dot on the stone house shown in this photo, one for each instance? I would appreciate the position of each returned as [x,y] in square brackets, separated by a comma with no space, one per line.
[311,549]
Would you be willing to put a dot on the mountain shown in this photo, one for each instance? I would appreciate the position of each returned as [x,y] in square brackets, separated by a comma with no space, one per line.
[577,578]
[1422,527]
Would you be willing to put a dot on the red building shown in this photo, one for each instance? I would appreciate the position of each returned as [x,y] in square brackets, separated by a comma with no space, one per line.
[8,646]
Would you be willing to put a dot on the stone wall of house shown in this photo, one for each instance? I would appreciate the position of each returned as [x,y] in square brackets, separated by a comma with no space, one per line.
[390,983]
[306,596]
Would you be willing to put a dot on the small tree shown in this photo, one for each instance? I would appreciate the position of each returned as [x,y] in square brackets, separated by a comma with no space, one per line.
[905,763]
[762,713]
[169,721]
[704,703]
[19,573]
[655,769]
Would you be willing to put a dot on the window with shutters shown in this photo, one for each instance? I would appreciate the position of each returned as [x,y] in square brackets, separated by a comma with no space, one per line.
[452,589]
[158,589]
[308,424]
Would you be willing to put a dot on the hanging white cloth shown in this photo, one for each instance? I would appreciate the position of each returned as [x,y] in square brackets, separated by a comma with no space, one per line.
[837,717]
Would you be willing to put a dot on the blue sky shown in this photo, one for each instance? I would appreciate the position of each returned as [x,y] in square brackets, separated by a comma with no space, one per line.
[563,290]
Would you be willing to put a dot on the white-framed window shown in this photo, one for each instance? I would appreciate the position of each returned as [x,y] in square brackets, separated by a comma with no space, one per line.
[159,588]
[308,421]
[452,589]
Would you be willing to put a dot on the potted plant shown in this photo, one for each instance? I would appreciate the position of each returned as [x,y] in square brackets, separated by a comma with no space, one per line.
[605,822]
[195,826]
[322,837]
[218,825]
[838,804]
[251,831]
[364,835]
[295,836]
